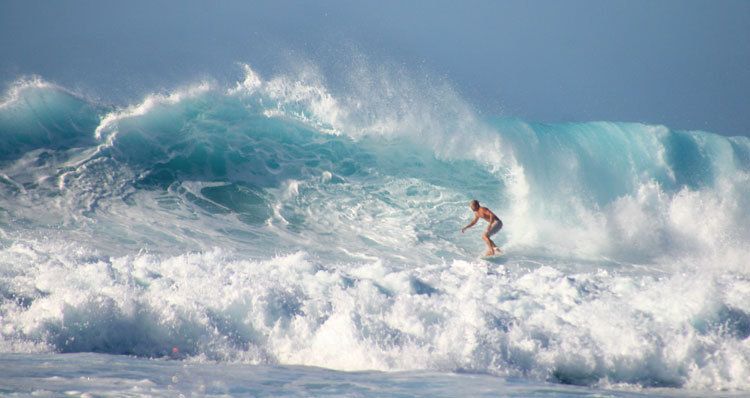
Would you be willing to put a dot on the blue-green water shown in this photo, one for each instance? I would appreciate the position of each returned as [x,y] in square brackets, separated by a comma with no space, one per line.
[106,375]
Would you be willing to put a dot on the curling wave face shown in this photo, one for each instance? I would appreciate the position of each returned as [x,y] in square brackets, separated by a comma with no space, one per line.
[278,221]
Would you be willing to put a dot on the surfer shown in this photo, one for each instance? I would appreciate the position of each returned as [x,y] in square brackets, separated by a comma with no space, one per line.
[490,217]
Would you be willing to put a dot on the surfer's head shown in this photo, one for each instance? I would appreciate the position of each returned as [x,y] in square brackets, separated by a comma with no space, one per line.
[474,204]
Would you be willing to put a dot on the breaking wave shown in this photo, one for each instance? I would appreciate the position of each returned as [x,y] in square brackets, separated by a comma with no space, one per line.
[280,221]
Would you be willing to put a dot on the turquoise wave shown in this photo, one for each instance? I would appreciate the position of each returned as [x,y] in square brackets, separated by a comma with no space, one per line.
[212,151]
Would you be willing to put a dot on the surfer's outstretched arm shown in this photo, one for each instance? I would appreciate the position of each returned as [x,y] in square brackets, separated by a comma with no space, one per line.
[471,224]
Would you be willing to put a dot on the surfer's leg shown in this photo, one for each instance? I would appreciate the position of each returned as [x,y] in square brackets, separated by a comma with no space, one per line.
[494,228]
[490,244]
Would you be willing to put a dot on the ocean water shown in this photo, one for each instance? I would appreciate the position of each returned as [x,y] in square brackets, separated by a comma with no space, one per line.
[277,236]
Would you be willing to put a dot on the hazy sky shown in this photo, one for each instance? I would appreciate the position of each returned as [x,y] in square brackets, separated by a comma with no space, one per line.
[685,64]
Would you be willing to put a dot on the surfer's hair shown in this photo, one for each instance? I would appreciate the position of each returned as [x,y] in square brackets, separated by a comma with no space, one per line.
[474,204]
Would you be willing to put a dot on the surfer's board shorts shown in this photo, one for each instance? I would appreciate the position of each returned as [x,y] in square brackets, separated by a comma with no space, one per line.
[495,227]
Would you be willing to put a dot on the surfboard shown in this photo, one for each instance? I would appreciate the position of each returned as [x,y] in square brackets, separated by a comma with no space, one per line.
[494,256]
[495,259]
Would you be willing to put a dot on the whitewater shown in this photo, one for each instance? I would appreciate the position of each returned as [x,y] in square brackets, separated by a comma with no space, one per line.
[277,236]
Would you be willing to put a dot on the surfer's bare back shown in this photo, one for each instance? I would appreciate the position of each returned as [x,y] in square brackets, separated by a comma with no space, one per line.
[492,219]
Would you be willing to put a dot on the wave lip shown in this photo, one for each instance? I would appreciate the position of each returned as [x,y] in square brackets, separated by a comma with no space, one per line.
[36,114]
